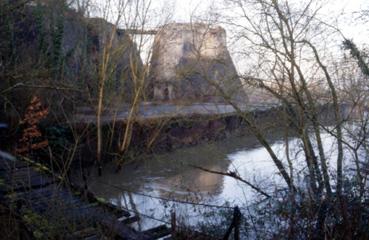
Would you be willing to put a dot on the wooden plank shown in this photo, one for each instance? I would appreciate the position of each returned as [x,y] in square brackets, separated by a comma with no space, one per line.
[60,204]
[158,232]
[38,192]
[79,211]
[9,165]
[130,220]
[122,231]
[33,182]
[84,233]
[51,195]
[22,172]
[95,237]
[40,199]
[117,211]
[77,216]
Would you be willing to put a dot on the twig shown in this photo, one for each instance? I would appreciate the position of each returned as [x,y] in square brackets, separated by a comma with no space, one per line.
[235,176]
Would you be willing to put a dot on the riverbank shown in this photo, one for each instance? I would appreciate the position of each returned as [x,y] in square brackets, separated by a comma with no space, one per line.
[159,184]
[166,127]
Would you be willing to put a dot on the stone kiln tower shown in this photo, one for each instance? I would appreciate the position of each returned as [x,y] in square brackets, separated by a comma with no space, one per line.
[188,61]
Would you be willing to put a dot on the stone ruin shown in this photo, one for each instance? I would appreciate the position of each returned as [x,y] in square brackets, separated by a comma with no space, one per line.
[190,62]
[70,46]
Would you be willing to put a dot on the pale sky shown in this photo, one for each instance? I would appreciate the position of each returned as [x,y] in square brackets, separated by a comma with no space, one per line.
[347,22]
[182,10]
[185,10]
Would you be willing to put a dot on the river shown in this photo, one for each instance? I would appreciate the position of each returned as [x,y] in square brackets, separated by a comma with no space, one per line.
[158,184]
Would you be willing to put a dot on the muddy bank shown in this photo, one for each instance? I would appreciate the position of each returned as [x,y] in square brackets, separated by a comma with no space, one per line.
[169,133]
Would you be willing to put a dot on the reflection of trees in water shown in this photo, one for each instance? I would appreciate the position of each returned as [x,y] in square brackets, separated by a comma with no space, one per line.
[134,208]
[171,174]
[193,185]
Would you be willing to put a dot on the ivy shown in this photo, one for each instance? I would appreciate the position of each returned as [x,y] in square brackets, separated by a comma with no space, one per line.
[40,29]
[57,40]
[358,55]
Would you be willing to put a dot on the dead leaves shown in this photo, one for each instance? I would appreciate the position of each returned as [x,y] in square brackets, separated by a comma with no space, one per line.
[32,137]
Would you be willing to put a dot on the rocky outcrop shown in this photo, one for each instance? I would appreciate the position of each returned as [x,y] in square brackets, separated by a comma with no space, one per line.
[189,60]
[69,47]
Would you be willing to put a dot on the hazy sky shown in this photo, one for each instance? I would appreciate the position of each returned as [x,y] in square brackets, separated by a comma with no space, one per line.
[184,10]
[345,9]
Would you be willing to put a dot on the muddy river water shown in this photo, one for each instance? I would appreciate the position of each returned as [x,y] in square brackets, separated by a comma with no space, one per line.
[159,184]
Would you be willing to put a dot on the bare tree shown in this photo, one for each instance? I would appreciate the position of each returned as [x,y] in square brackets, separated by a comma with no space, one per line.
[290,61]
[131,19]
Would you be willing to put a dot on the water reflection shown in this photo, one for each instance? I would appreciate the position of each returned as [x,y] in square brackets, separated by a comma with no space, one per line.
[173,173]
[157,184]
[172,176]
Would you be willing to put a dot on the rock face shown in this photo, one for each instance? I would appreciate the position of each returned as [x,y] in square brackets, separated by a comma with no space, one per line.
[189,60]
[70,47]
[124,55]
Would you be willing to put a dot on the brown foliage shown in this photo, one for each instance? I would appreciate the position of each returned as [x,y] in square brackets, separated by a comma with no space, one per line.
[31,136]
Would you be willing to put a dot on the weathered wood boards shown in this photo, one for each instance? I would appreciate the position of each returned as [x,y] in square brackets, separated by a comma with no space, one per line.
[54,210]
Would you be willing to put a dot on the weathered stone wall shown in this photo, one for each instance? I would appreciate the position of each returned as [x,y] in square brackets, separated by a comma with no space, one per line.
[66,49]
[188,60]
